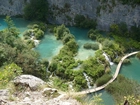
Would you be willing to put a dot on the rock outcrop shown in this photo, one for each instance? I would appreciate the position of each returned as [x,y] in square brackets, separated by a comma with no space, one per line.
[35,92]
[64,11]
[12,7]
[106,13]
[28,80]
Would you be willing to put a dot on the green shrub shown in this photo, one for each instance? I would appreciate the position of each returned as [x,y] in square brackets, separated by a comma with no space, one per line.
[30,44]
[53,66]
[103,80]
[9,73]
[117,60]
[91,46]
[95,46]
[39,34]
[67,38]
[93,34]
[60,84]
[79,80]
[87,46]
[36,10]
[123,87]
[35,30]
[61,31]
[138,55]
[83,22]
[126,61]
[27,33]
[45,62]
[38,24]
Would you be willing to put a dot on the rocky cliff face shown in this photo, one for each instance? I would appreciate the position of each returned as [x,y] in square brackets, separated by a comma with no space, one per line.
[106,13]
[12,7]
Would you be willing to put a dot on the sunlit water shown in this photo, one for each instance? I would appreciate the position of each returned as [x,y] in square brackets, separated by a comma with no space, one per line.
[81,38]
[50,47]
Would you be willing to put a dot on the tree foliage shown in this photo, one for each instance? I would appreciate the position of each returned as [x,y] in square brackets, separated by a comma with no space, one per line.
[84,22]
[11,27]
[14,50]
[92,46]
[36,10]
[8,73]
[93,34]
[104,79]
[123,87]
[121,30]
[138,55]
[93,68]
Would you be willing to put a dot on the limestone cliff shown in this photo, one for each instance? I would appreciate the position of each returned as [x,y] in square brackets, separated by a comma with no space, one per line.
[106,13]
[12,7]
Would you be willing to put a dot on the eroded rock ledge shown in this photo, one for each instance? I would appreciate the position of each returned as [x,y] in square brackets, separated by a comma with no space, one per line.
[30,90]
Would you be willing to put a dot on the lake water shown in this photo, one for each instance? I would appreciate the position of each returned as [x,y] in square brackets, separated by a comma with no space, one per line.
[49,47]
[20,23]
[81,38]
[132,71]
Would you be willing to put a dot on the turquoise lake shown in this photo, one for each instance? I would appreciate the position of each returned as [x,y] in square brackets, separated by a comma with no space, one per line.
[50,47]
[132,71]
[20,23]
[81,38]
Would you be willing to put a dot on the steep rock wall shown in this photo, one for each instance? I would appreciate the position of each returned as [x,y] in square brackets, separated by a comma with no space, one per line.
[106,13]
[12,7]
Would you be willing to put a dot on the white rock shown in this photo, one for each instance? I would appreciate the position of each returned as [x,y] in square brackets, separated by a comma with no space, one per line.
[29,80]
[26,99]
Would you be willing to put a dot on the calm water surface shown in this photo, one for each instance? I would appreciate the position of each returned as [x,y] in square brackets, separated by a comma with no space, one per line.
[132,71]
[49,46]
[20,23]
[81,38]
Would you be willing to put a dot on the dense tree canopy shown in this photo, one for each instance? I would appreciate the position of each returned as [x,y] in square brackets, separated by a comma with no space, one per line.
[84,22]
[36,10]
[14,50]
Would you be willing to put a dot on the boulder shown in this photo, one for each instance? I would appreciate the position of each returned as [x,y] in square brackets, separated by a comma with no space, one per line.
[29,80]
